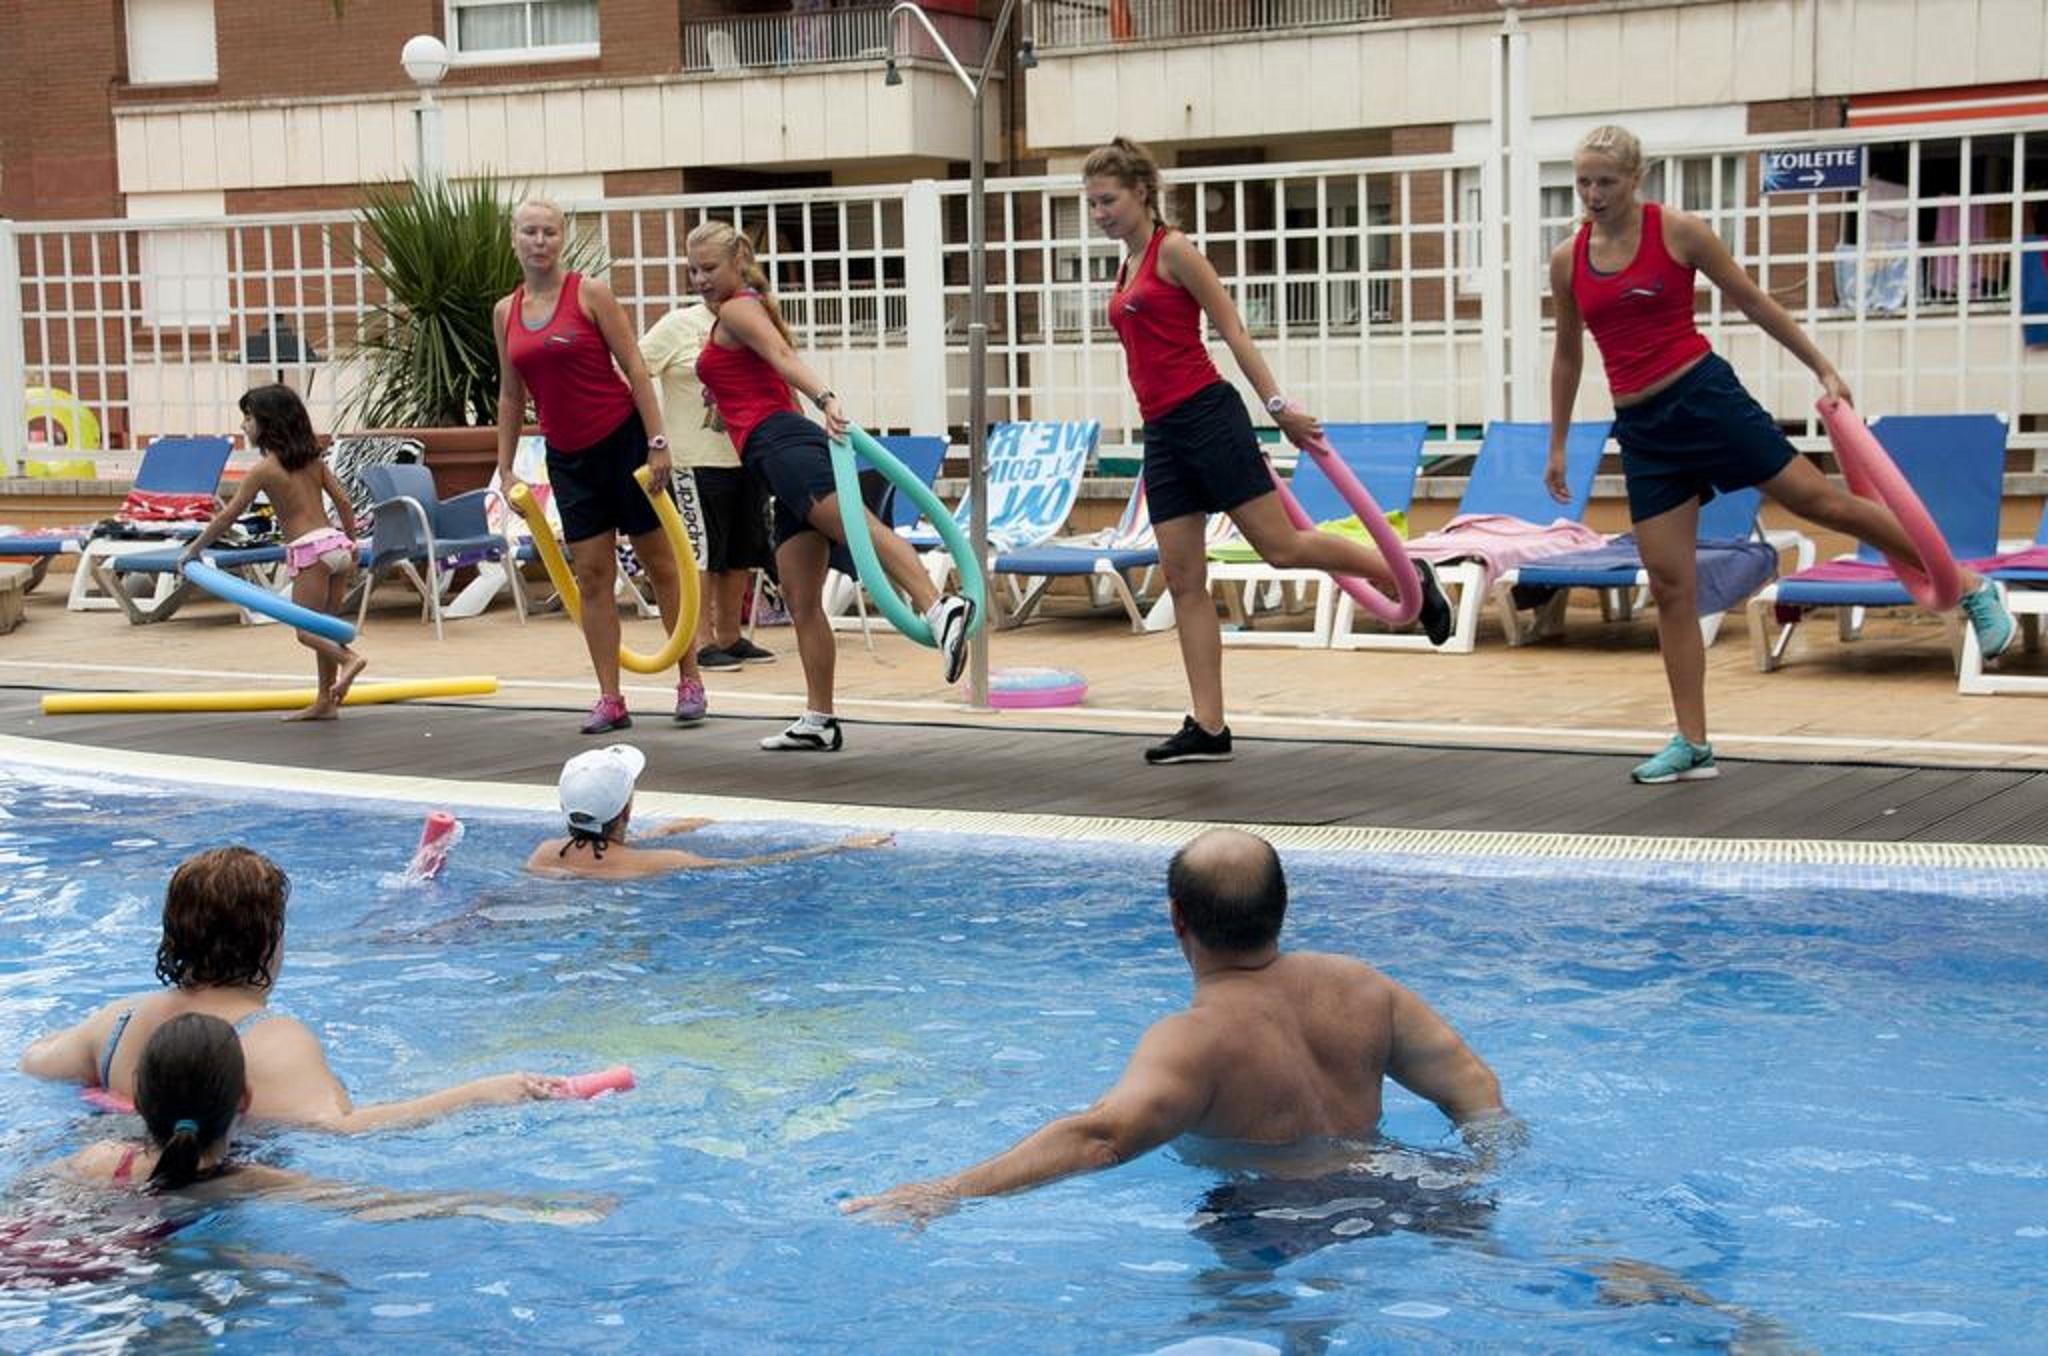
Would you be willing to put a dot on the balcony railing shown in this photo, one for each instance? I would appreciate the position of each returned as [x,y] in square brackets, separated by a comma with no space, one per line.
[822,37]
[1091,23]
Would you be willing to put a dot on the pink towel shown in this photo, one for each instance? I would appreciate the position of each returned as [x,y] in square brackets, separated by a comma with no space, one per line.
[1500,542]
[1864,572]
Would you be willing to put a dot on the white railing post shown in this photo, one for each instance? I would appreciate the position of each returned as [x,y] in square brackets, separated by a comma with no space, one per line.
[924,285]
[13,355]
[1492,261]
[1525,278]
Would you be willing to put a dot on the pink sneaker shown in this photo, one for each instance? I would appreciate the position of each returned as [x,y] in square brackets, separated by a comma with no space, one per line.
[690,703]
[609,714]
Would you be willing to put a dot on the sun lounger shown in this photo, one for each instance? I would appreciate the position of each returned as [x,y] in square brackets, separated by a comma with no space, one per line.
[1505,518]
[1955,464]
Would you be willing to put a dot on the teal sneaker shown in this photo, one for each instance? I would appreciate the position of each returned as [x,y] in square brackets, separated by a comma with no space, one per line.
[1680,761]
[1989,619]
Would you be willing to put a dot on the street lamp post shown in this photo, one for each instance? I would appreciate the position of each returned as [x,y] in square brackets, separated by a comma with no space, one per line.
[425,58]
[977,300]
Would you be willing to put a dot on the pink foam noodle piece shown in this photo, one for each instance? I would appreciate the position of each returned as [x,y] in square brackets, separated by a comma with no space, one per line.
[438,837]
[1407,602]
[1933,580]
[104,1099]
[618,1078]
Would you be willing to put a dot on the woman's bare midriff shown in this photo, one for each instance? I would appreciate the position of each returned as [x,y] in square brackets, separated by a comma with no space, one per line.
[1659,386]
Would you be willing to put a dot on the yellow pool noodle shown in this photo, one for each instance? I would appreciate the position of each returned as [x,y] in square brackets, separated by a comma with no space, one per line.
[283,699]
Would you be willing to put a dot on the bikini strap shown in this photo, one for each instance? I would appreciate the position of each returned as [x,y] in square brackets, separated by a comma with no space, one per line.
[127,1163]
[249,1019]
[113,1039]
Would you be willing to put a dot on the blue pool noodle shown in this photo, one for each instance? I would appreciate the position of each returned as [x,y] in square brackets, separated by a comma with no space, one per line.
[242,593]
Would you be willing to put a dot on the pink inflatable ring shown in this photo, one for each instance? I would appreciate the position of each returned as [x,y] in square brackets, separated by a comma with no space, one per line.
[1010,689]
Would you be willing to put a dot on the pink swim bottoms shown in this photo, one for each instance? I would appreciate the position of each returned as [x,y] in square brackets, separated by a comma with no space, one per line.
[323,546]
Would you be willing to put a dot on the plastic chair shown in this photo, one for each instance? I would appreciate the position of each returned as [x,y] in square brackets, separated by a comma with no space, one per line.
[413,528]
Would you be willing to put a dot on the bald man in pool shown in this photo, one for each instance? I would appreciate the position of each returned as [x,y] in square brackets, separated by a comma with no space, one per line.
[1277,1059]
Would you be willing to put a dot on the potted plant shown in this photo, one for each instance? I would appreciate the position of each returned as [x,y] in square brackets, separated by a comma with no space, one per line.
[427,361]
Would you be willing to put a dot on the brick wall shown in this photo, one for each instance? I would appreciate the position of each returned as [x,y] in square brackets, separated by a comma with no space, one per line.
[57,60]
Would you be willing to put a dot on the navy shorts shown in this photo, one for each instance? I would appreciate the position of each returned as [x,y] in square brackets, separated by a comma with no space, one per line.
[594,489]
[1202,456]
[735,509]
[789,457]
[1700,435]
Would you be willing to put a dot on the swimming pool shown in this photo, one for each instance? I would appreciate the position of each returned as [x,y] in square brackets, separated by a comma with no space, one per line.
[1814,1106]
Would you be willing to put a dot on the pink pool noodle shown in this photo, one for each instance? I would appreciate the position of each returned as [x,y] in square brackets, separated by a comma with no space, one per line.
[618,1078]
[102,1099]
[438,836]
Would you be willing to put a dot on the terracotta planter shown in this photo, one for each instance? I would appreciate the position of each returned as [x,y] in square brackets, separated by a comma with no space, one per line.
[461,458]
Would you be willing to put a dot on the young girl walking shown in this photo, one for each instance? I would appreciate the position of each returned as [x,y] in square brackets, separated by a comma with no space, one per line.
[319,557]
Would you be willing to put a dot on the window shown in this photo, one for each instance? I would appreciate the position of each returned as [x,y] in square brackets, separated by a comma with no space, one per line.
[170,42]
[522,30]
[184,272]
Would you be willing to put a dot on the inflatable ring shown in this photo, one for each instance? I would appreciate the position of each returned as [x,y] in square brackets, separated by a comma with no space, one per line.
[1933,580]
[286,699]
[1407,602]
[853,514]
[81,427]
[564,580]
[1025,688]
[242,593]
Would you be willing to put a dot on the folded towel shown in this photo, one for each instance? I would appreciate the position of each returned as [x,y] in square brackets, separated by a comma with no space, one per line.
[1729,571]
[1500,542]
[1235,550]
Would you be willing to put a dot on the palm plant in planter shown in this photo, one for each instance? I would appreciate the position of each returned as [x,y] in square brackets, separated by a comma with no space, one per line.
[442,251]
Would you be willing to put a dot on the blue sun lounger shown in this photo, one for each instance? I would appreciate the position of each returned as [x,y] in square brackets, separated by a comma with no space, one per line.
[1956,464]
[148,587]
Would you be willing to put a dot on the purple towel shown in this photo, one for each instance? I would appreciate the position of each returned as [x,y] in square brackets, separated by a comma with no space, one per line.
[1729,571]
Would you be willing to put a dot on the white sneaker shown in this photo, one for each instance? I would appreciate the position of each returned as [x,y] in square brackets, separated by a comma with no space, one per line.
[949,619]
[806,735]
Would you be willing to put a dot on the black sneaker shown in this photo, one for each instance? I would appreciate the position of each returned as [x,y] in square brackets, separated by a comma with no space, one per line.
[803,736]
[747,652]
[1192,744]
[715,657]
[949,619]
[1435,615]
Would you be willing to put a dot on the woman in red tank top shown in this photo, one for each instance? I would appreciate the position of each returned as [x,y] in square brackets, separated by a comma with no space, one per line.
[564,340]
[1201,455]
[749,370]
[1687,428]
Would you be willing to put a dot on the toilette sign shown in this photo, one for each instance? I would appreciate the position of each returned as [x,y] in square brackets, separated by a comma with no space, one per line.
[1832,169]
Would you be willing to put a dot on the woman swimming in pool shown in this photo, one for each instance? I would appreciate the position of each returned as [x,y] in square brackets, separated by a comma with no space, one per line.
[223,937]
[191,1088]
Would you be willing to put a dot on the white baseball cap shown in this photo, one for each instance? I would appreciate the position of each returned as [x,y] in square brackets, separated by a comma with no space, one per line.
[596,785]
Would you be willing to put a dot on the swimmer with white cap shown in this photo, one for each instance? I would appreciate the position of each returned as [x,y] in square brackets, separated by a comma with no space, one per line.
[597,803]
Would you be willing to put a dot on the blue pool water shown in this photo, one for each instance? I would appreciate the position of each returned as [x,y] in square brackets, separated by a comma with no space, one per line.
[1813,1108]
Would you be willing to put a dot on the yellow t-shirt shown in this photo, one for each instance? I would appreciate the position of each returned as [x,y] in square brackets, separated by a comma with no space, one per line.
[670,351]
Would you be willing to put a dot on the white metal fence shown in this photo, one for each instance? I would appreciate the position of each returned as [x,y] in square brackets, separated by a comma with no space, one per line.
[1364,283]
[1088,23]
[753,41]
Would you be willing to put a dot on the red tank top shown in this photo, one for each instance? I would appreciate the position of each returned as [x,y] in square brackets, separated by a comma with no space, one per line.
[577,390]
[1160,326]
[742,385]
[1641,316]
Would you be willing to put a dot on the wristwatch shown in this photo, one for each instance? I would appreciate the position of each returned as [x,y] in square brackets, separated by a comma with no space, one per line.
[658,443]
[1276,404]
